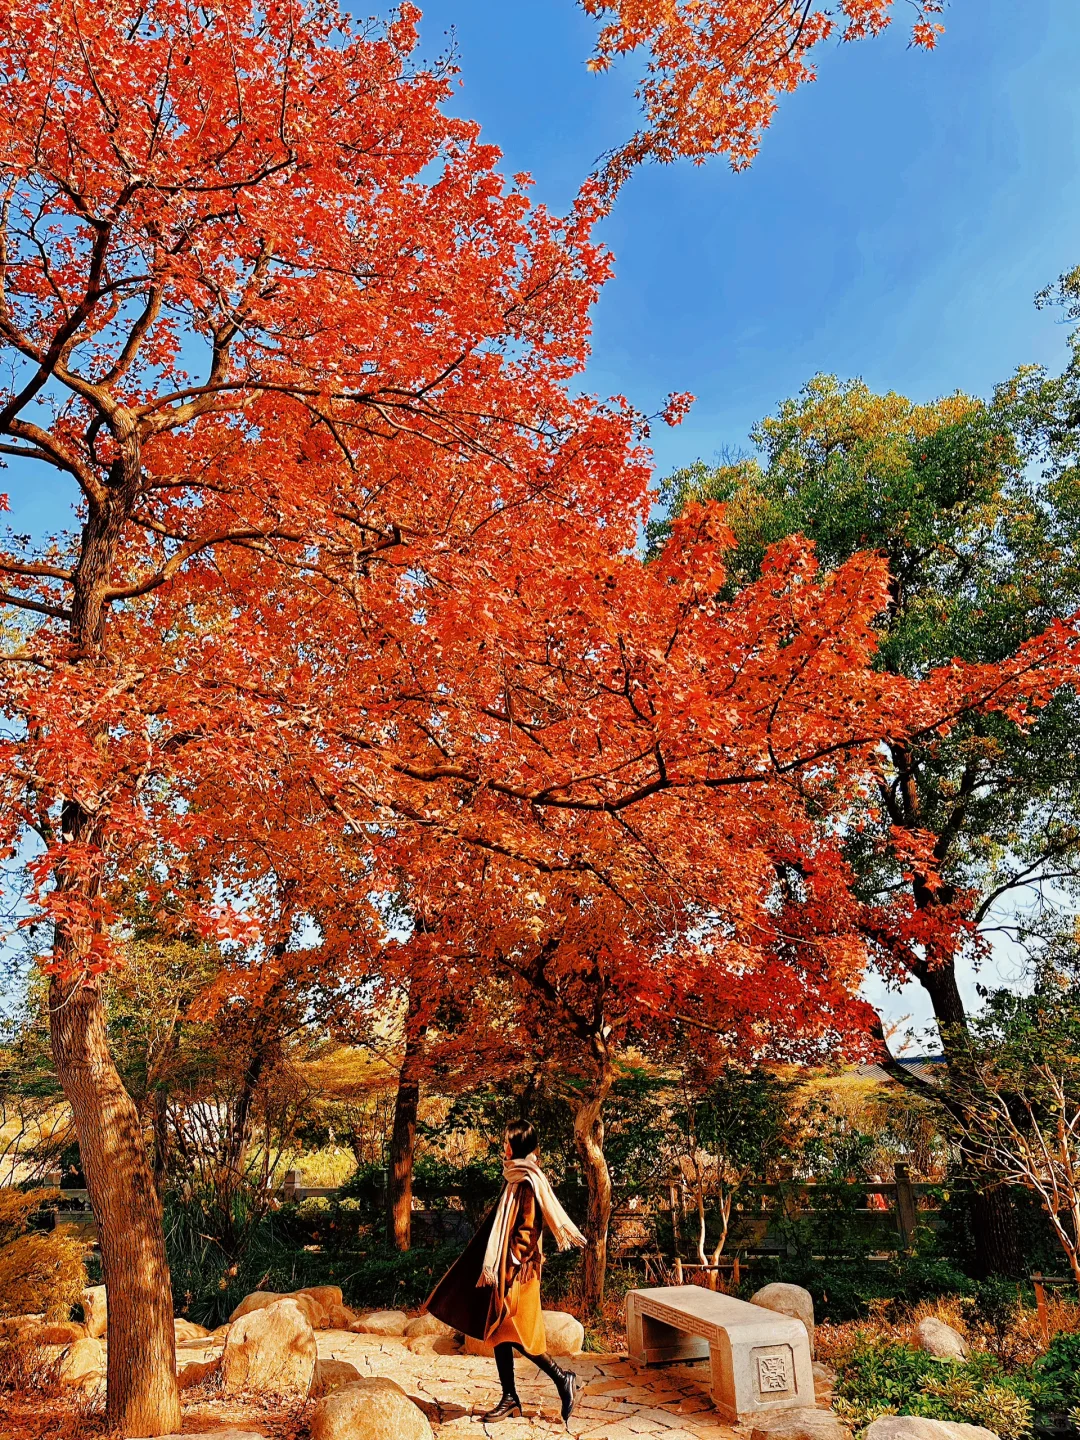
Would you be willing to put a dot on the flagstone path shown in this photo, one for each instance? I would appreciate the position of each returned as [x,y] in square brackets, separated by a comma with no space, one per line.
[619,1400]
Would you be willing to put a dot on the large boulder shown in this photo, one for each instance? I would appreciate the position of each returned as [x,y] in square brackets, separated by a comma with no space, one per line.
[914,1427]
[261,1299]
[188,1330]
[271,1350]
[478,1347]
[324,1295]
[790,1300]
[565,1333]
[381,1322]
[83,1364]
[330,1373]
[372,1409]
[54,1332]
[95,1310]
[798,1423]
[937,1338]
[257,1300]
[427,1325]
[339,1317]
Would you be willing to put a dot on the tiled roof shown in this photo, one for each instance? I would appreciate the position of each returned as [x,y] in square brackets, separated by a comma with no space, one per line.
[923,1067]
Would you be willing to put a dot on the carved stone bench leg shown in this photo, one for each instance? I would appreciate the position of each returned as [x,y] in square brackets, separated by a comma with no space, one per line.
[748,1376]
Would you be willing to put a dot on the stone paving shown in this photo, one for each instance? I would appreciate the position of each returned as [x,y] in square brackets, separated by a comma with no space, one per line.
[618,1399]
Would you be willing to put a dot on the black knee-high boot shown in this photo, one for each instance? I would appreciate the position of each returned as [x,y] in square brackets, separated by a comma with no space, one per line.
[509,1404]
[565,1381]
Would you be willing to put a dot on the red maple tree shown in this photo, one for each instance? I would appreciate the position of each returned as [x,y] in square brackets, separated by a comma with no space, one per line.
[253,278]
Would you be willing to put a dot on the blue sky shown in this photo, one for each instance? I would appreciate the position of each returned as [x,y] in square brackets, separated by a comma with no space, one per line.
[902,213]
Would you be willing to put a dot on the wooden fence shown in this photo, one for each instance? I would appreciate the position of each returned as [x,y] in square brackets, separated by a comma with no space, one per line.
[882,1216]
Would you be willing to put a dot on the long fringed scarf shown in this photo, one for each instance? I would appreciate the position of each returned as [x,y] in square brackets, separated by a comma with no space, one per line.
[517,1173]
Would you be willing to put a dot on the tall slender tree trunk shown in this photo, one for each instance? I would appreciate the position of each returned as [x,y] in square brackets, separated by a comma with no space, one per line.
[161,1140]
[992,1213]
[143,1398]
[589,1139]
[403,1134]
[991,1210]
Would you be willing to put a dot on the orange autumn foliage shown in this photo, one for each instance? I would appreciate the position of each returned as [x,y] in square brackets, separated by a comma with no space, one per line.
[717,68]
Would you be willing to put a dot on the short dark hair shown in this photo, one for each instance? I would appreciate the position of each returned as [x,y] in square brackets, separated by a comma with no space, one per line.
[521,1137]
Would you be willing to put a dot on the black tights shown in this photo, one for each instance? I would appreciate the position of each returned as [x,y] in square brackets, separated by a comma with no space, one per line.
[504,1363]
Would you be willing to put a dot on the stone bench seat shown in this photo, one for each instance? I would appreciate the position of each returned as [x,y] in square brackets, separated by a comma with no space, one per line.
[760,1360]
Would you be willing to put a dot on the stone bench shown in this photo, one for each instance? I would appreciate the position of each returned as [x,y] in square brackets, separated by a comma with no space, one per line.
[760,1360]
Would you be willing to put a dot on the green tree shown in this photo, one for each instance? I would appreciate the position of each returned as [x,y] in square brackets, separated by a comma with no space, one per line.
[730,1132]
[976,507]
[1018,1097]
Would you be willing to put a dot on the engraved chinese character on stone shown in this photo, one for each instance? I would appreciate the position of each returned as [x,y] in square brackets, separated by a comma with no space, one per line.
[773,1374]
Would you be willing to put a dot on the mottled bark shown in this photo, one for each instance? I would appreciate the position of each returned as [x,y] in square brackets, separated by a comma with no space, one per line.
[142,1393]
[143,1398]
[589,1139]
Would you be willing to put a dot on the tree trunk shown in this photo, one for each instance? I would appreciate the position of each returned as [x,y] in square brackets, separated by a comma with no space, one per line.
[940,984]
[991,1212]
[161,1140]
[403,1135]
[143,1398]
[589,1139]
[994,1230]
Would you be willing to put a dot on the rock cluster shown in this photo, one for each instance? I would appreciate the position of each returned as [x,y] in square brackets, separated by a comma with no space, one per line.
[937,1338]
[372,1409]
[271,1350]
[322,1304]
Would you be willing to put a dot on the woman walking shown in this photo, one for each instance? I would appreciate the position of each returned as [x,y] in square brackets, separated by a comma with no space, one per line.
[492,1291]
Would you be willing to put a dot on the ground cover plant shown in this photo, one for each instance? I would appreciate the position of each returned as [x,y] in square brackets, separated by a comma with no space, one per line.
[1011,1381]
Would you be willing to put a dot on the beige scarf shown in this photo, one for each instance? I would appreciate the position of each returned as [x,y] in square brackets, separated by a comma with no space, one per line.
[517,1173]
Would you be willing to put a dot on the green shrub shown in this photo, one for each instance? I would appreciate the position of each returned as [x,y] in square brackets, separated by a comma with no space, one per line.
[891,1379]
[1059,1369]
[309,1244]
[846,1289]
[386,1278]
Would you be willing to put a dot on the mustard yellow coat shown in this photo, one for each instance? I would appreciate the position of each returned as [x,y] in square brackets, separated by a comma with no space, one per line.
[509,1311]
